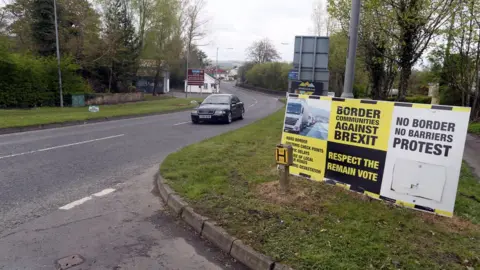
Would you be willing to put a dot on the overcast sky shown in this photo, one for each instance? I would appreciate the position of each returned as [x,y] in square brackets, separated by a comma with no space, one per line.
[237,24]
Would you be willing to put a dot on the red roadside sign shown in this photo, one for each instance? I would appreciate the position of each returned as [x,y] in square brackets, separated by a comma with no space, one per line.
[196,76]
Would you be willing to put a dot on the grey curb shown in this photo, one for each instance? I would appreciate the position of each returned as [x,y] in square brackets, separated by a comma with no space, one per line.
[193,219]
[218,236]
[164,191]
[176,203]
[215,234]
[250,257]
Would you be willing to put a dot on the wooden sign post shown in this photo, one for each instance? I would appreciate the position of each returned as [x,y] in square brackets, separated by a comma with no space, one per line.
[284,158]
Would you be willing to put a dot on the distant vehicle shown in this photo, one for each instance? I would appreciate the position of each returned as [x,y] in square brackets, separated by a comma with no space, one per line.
[219,108]
[297,116]
[311,120]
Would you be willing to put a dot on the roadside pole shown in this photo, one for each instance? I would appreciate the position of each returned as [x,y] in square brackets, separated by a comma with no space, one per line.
[216,67]
[58,54]
[352,50]
[186,73]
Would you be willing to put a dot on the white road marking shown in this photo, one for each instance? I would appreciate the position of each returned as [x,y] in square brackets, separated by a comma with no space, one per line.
[61,146]
[75,203]
[183,123]
[256,101]
[104,192]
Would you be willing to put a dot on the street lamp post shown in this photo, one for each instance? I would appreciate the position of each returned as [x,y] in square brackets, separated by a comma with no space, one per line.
[58,53]
[352,50]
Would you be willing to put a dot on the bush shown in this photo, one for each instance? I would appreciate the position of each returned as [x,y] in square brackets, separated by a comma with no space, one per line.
[419,99]
[415,99]
[272,76]
[360,91]
[28,81]
[474,128]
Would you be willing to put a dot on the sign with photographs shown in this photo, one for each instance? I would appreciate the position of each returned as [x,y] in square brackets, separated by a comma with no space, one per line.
[409,154]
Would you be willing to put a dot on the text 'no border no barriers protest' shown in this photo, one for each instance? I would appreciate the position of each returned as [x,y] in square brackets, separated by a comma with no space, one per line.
[409,154]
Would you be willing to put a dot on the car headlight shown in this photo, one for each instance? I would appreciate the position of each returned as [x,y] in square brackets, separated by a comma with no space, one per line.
[195,112]
[219,112]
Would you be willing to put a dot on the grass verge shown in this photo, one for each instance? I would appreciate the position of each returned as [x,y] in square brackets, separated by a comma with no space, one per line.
[232,178]
[474,128]
[49,115]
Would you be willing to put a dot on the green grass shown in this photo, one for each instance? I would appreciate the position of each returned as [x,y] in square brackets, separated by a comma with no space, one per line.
[150,97]
[474,128]
[232,178]
[48,115]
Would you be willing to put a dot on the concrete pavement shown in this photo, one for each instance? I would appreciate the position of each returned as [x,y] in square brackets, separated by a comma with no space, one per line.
[86,190]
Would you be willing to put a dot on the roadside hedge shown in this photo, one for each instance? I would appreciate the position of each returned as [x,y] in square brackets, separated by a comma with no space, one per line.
[416,99]
[29,81]
[269,75]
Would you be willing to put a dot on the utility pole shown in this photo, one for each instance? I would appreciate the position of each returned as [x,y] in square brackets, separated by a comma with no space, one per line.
[186,72]
[216,66]
[58,53]
[352,50]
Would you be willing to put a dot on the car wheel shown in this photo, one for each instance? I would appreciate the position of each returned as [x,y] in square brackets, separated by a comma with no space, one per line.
[229,118]
[195,121]
[242,115]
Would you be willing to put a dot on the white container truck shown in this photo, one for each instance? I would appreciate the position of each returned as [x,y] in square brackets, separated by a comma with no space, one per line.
[297,116]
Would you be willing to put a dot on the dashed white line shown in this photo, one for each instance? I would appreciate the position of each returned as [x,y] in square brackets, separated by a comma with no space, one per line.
[256,101]
[104,192]
[86,199]
[182,123]
[75,203]
[61,146]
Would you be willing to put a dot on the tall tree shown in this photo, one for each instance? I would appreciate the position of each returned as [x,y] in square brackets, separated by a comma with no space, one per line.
[396,33]
[193,24]
[459,58]
[144,13]
[418,21]
[323,24]
[43,26]
[163,38]
[122,45]
[262,51]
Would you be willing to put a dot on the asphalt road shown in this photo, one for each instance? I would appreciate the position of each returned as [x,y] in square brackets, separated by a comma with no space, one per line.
[86,190]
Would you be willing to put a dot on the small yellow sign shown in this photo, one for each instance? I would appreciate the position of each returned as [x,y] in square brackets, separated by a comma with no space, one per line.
[284,154]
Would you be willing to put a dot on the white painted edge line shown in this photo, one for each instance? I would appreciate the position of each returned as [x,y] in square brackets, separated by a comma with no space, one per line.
[182,123]
[104,192]
[75,203]
[61,146]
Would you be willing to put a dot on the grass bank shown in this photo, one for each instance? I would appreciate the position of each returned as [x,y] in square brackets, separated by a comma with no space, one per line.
[474,128]
[232,178]
[48,115]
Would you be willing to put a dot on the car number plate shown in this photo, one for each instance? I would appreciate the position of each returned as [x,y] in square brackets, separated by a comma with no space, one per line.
[205,116]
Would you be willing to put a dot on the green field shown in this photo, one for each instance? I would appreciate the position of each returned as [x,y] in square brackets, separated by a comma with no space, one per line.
[48,115]
[232,178]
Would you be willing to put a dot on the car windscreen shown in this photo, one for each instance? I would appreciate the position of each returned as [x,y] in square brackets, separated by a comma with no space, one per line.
[294,108]
[217,100]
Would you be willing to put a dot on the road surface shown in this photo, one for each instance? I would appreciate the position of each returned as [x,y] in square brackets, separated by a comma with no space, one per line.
[86,190]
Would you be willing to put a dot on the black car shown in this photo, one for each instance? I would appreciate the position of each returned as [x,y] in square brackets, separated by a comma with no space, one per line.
[219,108]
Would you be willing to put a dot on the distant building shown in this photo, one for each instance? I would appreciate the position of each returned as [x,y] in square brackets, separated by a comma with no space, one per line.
[146,78]
[232,74]
[219,74]
[209,86]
